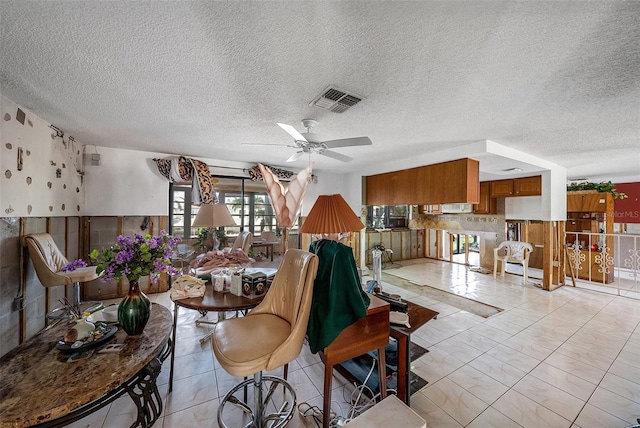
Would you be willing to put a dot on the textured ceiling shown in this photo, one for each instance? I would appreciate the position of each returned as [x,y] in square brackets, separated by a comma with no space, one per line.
[558,80]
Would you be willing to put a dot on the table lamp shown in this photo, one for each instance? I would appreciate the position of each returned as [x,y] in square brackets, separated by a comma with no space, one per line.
[331,215]
[212,216]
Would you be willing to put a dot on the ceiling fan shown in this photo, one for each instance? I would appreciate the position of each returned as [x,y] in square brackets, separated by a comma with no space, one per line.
[310,143]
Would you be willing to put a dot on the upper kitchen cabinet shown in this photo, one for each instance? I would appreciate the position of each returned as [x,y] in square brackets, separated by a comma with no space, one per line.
[487,204]
[526,186]
[447,182]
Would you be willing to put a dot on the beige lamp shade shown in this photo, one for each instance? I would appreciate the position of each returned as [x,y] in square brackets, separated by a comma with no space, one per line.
[331,214]
[213,215]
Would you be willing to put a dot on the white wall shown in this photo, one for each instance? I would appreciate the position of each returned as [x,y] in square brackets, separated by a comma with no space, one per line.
[36,190]
[126,183]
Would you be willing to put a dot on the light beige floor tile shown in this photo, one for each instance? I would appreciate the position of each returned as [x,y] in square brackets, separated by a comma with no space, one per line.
[529,345]
[192,364]
[94,420]
[315,374]
[567,382]
[586,355]
[514,358]
[491,333]
[480,341]
[615,404]
[460,404]
[190,391]
[621,386]
[491,418]
[498,370]
[459,349]
[554,399]
[200,415]
[479,384]
[592,417]
[585,371]
[431,413]
[527,412]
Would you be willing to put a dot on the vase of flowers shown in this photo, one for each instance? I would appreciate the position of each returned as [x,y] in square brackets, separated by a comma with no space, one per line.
[133,258]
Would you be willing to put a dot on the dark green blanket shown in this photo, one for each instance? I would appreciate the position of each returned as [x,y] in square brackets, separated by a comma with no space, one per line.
[338,298]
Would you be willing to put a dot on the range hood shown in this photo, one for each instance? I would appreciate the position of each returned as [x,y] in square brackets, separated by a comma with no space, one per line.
[456,208]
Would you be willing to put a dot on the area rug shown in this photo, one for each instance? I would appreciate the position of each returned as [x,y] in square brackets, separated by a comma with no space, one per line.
[358,369]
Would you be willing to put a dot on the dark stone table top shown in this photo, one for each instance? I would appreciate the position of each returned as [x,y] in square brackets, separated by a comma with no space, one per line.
[37,383]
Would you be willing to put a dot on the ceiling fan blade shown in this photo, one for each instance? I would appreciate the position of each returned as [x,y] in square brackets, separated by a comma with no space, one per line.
[347,142]
[336,155]
[292,131]
[294,157]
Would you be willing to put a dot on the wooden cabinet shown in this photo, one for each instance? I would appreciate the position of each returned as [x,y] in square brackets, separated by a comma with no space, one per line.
[442,183]
[589,202]
[525,186]
[487,204]
[501,188]
[528,186]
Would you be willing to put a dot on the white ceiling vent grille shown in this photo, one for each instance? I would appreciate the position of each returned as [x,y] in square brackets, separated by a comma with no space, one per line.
[336,100]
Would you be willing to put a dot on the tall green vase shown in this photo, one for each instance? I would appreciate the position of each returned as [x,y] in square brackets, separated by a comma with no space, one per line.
[134,310]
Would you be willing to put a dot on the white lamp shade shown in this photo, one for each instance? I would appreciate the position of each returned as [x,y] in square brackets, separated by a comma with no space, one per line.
[215,215]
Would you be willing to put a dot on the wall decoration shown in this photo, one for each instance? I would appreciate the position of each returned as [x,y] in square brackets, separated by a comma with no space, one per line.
[50,208]
[62,207]
[8,146]
[20,116]
[28,152]
[7,117]
[19,158]
[49,184]
[53,163]
[58,173]
[64,186]
[29,208]
[7,174]
[30,123]
[9,210]
[29,180]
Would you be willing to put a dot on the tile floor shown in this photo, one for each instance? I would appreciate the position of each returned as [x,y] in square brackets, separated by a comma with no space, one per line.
[567,358]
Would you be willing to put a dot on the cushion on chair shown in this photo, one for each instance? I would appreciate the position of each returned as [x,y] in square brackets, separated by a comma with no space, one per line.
[48,262]
[244,357]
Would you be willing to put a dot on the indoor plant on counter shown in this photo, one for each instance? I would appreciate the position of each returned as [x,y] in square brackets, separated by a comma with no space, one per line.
[607,187]
[133,258]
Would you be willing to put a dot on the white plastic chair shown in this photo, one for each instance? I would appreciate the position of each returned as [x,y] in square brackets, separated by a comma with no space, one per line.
[515,252]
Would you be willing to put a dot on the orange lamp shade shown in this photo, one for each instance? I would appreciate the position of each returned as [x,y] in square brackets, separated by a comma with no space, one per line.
[331,214]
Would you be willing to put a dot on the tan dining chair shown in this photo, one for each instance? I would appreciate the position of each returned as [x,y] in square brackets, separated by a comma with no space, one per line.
[243,242]
[48,262]
[271,335]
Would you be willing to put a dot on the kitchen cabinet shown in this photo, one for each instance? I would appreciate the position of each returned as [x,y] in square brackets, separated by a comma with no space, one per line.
[442,183]
[525,186]
[487,205]
[501,188]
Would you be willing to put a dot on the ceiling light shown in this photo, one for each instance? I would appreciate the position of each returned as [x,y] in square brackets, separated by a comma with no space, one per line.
[513,170]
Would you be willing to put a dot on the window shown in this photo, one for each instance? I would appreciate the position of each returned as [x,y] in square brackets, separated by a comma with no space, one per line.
[387,216]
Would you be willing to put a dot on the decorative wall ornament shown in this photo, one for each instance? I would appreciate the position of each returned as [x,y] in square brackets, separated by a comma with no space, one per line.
[8,146]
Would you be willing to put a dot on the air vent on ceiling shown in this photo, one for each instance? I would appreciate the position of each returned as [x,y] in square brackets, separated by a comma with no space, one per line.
[336,100]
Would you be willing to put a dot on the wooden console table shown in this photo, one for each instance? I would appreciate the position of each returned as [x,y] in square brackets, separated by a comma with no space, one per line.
[39,387]
[364,335]
[268,246]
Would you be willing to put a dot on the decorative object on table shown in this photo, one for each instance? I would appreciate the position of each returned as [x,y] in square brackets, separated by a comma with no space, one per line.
[101,334]
[236,284]
[254,284]
[287,202]
[206,263]
[210,217]
[133,258]
[187,286]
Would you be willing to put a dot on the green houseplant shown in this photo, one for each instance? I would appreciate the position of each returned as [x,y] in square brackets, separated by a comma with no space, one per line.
[603,187]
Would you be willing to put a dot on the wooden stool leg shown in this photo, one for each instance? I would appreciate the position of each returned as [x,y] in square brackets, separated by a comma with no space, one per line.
[326,403]
[382,373]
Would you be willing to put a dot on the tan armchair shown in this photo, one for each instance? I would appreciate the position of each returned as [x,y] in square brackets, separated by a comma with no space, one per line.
[272,335]
[48,262]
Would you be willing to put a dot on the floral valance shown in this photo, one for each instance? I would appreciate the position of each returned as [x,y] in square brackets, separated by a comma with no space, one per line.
[180,168]
[256,174]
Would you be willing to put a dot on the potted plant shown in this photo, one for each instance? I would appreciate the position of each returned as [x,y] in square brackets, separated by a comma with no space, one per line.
[602,187]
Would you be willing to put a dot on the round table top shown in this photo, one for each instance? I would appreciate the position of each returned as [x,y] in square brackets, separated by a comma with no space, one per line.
[218,301]
[38,384]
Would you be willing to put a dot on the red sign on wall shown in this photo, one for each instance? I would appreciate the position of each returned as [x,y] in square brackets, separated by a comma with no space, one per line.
[627,210]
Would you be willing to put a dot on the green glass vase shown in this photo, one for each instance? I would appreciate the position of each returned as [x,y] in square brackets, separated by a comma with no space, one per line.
[134,310]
